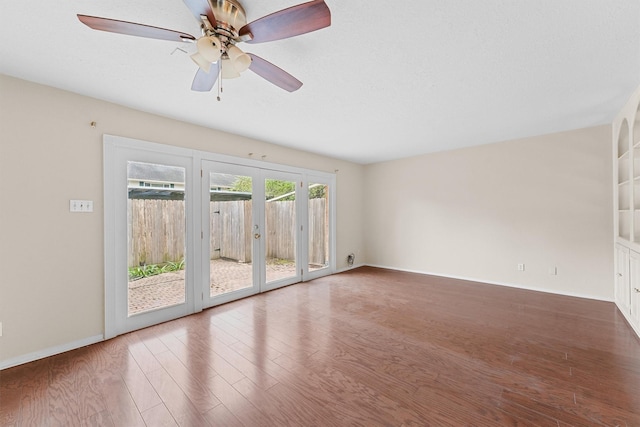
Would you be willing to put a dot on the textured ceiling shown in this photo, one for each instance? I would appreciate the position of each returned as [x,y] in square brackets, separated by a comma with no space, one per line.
[386,80]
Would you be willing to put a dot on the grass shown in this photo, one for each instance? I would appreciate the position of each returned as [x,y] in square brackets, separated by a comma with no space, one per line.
[280,261]
[136,273]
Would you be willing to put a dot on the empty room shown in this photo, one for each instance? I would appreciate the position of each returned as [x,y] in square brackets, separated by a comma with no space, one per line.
[322,213]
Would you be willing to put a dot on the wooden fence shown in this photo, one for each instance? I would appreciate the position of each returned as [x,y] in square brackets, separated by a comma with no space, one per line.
[231,233]
[156,231]
[318,232]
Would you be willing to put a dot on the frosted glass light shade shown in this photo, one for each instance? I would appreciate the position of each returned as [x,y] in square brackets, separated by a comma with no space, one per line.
[202,62]
[209,48]
[239,59]
[228,70]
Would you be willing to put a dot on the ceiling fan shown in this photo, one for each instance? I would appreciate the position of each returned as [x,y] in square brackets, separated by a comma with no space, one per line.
[224,25]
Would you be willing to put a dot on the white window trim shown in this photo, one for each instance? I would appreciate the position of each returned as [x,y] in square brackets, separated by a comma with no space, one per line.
[113,144]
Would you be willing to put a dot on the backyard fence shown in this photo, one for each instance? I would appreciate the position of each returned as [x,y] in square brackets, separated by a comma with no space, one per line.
[156,231]
[230,224]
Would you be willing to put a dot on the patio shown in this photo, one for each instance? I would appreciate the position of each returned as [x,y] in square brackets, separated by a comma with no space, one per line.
[168,288]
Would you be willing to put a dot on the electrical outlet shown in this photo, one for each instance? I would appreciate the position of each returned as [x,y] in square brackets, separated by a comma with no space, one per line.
[350,259]
[553,271]
[0,329]
[520,267]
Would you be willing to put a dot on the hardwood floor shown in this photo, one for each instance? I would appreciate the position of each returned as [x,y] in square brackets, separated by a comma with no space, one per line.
[369,347]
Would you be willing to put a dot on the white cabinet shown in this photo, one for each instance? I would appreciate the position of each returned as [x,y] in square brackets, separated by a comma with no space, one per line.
[623,276]
[627,284]
[634,288]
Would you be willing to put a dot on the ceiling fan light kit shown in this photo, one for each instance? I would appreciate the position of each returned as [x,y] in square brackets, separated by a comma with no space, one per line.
[201,62]
[240,60]
[224,24]
[228,70]
[209,48]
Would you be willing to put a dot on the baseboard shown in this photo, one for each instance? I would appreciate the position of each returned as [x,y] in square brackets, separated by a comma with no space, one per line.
[342,270]
[51,351]
[508,285]
[630,322]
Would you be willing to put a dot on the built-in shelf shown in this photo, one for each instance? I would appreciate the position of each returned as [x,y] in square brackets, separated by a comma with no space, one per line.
[627,173]
[626,144]
[623,172]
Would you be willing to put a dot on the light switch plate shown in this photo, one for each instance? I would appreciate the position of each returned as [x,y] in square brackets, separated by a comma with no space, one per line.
[80,205]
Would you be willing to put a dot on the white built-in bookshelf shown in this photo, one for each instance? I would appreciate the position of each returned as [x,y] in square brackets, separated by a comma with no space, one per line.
[626,147]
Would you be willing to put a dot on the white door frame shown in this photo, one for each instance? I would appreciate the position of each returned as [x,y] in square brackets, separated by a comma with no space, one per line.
[330,180]
[117,151]
[207,167]
[117,154]
[296,178]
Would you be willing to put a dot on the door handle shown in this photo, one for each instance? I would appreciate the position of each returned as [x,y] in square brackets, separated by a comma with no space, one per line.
[256,236]
[636,289]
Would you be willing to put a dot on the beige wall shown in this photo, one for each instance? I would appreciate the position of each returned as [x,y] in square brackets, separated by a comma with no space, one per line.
[478,212]
[475,213]
[51,261]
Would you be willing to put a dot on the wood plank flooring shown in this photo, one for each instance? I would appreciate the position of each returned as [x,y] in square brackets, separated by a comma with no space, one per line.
[369,347]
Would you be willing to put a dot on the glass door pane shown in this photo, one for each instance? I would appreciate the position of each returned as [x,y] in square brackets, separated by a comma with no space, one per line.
[231,233]
[280,229]
[156,230]
[318,226]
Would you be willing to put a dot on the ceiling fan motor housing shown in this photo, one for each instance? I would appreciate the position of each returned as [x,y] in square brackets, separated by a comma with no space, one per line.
[230,15]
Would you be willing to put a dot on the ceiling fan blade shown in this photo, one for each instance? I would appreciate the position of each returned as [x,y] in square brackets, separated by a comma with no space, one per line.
[201,7]
[203,81]
[133,29]
[275,75]
[290,22]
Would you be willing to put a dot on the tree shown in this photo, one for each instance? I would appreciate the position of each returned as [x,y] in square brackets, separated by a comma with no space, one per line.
[276,188]
[273,187]
[317,192]
[242,184]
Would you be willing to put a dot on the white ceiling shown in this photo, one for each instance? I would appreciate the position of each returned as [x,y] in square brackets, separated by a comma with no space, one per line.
[388,79]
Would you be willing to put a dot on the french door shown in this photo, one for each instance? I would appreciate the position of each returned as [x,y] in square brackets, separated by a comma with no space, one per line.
[187,230]
[229,233]
[250,232]
[149,236]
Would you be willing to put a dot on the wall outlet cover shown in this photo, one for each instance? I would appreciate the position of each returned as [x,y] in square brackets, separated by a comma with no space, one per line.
[80,205]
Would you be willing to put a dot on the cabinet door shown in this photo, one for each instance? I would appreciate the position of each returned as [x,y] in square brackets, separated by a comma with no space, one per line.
[622,291]
[634,288]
